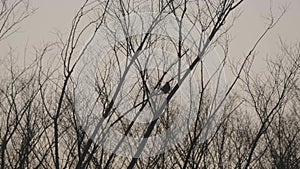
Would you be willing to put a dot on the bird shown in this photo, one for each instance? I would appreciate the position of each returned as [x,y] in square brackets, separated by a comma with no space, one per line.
[166,88]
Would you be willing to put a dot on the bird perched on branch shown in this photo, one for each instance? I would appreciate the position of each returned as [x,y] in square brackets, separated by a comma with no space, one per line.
[166,88]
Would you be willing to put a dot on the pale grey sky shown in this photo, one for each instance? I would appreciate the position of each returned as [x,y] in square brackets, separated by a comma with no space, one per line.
[251,24]
[56,15]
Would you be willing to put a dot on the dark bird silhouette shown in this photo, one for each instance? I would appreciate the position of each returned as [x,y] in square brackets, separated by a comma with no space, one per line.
[166,88]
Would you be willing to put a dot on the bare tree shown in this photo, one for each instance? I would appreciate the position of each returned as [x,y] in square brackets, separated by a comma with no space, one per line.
[12,14]
[136,69]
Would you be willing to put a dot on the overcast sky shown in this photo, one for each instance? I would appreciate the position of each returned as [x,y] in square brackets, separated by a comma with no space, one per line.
[56,15]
